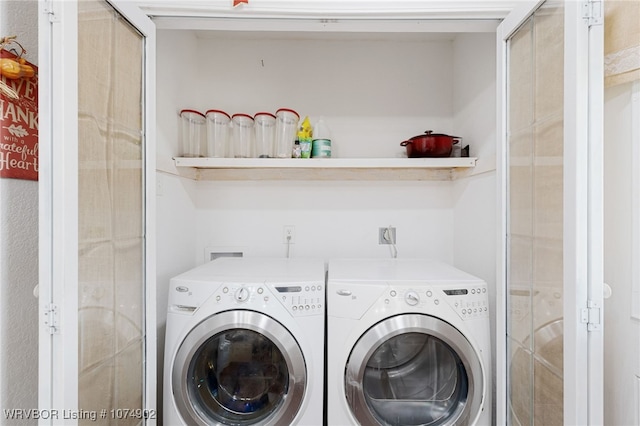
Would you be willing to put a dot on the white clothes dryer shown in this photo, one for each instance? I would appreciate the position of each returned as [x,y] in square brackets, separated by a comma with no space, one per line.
[245,343]
[408,343]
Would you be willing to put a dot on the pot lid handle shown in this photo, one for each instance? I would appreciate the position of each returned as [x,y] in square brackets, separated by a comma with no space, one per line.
[430,132]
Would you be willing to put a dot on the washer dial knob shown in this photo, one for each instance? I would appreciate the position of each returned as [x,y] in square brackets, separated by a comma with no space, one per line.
[412,298]
[242,294]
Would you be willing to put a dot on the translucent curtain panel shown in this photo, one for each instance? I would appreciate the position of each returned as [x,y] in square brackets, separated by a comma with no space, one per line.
[621,42]
[111,256]
[535,267]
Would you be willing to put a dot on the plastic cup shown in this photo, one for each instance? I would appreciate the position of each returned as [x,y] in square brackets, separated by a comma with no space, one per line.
[193,130]
[265,129]
[243,135]
[217,133]
[286,130]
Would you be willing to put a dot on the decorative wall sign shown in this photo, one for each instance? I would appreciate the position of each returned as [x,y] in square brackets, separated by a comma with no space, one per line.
[19,125]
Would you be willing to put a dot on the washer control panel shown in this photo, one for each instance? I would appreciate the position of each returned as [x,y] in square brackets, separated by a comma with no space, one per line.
[235,294]
[301,299]
[469,302]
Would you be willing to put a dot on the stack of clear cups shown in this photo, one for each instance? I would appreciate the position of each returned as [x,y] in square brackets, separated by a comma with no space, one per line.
[243,135]
[217,133]
[286,130]
[193,130]
[265,127]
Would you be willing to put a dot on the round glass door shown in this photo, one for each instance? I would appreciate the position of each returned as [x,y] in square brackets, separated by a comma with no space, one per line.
[239,368]
[414,370]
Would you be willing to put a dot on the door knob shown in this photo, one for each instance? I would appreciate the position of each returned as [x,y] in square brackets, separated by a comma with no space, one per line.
[606,290]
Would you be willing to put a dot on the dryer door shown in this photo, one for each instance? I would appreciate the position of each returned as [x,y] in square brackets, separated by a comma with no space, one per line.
[414,369]
[239,368]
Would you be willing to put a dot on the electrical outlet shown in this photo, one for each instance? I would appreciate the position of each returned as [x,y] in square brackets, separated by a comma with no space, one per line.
[288,234]
[387,235]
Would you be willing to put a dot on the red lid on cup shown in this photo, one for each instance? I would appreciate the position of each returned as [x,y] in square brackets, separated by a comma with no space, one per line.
[193,111]
[218,112]
[263,113]
[288,110]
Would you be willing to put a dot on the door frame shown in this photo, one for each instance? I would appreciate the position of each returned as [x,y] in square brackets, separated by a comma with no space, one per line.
[582,223]
[58,212]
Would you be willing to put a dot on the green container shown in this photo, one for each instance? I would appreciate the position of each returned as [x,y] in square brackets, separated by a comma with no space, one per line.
[321,148]
[305,148]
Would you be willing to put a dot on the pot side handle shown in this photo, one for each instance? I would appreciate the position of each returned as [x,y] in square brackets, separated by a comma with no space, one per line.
[405,143]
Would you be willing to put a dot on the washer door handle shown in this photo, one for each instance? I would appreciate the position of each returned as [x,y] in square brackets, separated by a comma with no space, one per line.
[344,292]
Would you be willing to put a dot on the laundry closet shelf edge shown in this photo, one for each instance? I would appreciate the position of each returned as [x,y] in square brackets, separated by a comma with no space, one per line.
[324,168]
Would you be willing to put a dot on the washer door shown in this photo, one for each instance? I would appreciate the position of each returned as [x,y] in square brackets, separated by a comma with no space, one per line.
[414,369]
[239,368]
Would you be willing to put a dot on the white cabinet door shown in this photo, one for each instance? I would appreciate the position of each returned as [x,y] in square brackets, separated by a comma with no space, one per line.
[550,342]
[63,190]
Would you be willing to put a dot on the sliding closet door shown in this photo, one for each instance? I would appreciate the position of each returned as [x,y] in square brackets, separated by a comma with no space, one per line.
[110,212]
[96,216]
[553,219]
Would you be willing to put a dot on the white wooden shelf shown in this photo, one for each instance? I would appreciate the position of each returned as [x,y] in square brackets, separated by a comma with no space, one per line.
[324,168]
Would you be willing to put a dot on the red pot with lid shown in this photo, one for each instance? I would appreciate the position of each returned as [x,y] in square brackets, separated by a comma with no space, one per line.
[430,145]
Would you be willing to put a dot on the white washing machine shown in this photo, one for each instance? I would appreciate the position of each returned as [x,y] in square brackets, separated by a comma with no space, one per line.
[245,343]
[408,343]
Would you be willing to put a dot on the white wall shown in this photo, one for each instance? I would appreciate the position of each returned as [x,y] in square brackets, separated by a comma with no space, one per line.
[331,219]
[475,197]
[175,209]
[19,252]
[622,332]
[373,94]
